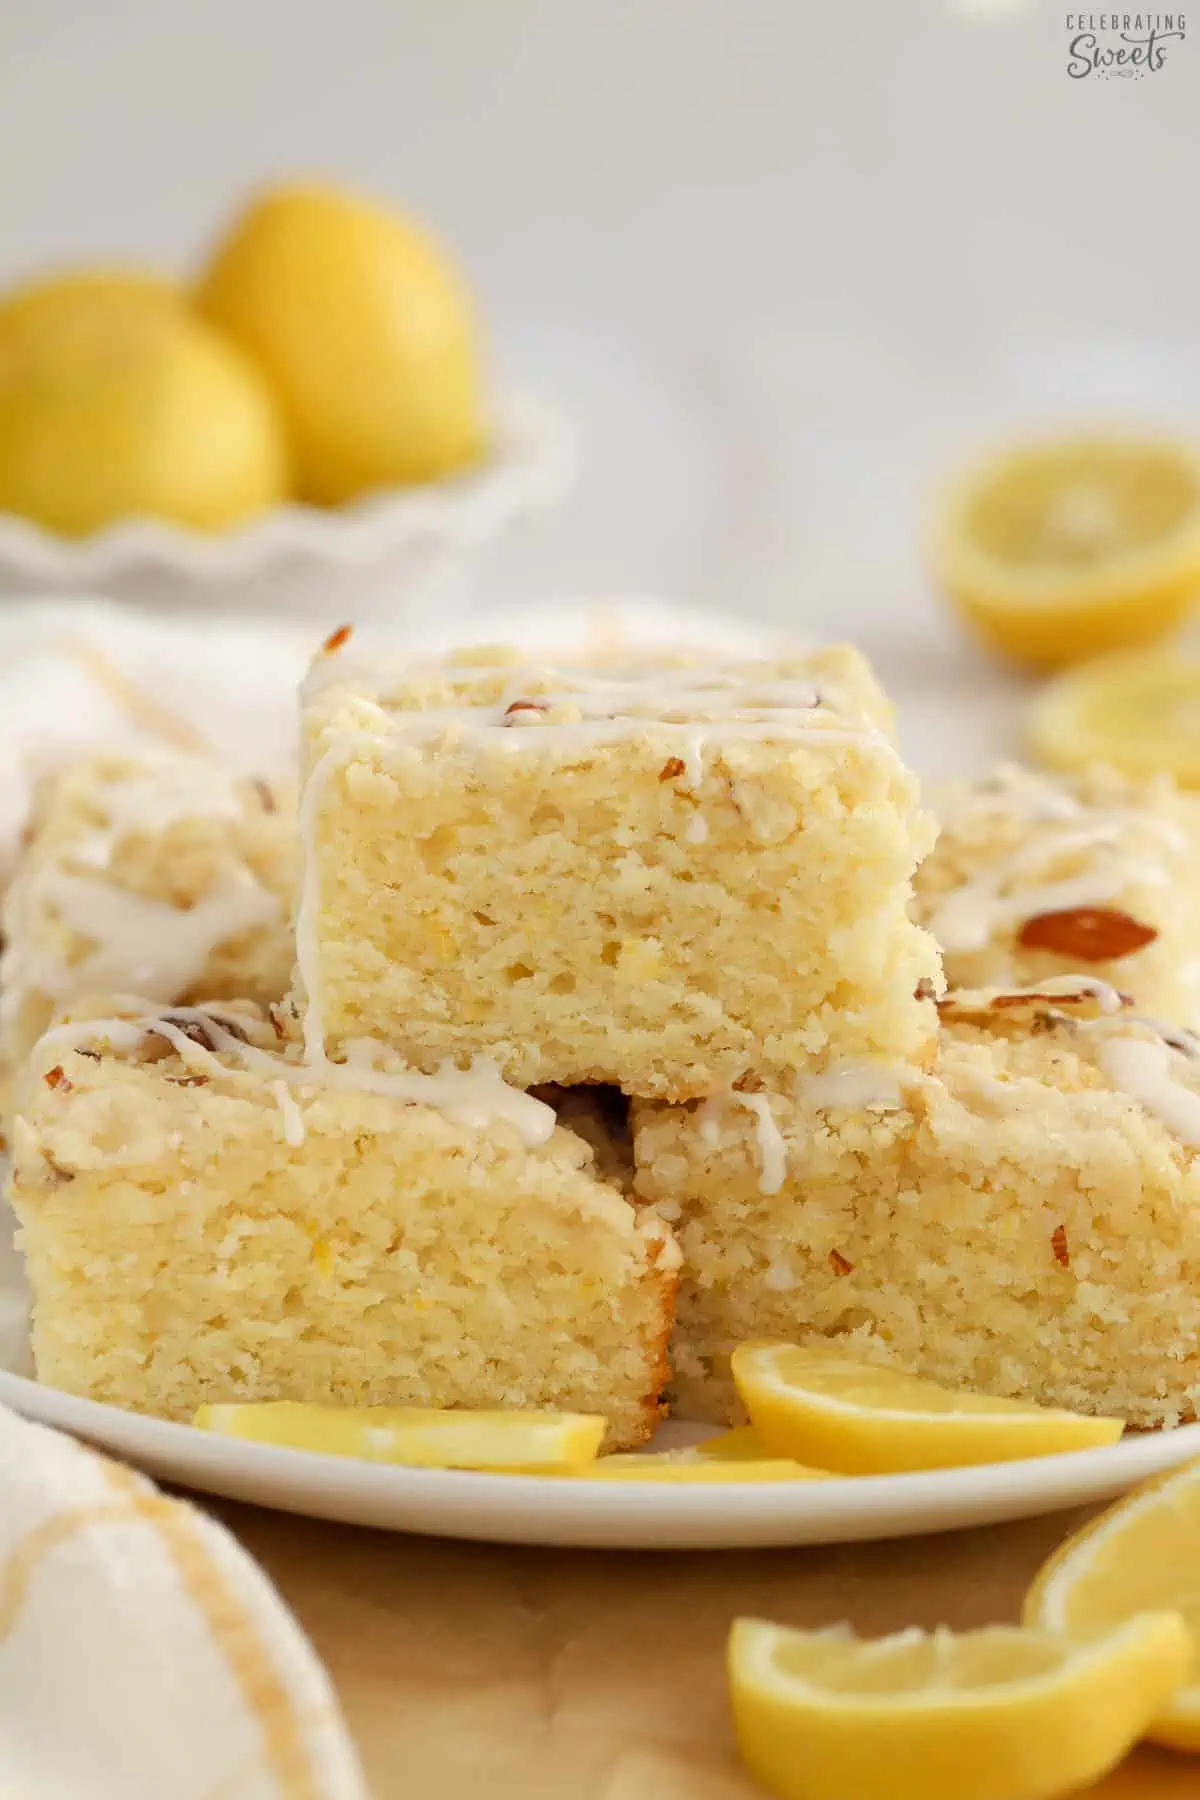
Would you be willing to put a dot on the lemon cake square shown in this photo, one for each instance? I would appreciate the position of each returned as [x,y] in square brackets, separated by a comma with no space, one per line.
[157,873]
[661,877]
[1035,875]
[204,1219]
[1023,1220]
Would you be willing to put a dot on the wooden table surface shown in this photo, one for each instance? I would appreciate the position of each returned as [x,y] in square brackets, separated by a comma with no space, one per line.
[467,1669]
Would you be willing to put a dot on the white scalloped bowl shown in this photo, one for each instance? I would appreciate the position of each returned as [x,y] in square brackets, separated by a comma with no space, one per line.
[382,555]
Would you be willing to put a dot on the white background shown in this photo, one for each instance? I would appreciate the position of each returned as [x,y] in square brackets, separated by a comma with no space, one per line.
[782,261]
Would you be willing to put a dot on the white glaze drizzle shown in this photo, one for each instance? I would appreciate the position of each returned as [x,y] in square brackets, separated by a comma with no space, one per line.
[1137,1066]
[1141,1068]
[772,1150]
[475,1097]
[967,917]
[860,1086]
[147,946]
[293,1119]
[1177,1037]
[159,792]
[769,1140]
[692,707]
[139,944]
[1108,998]
[708,1120]
[684,739]
[1055,987]
[647,687]
[1012,789]
[692,758]
[984,1085]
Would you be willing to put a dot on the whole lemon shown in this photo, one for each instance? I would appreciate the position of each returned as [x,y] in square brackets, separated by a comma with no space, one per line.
[70,291]
[113,407]
[365,331]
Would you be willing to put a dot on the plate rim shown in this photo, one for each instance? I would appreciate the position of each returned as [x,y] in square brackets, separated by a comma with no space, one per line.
[545,1510]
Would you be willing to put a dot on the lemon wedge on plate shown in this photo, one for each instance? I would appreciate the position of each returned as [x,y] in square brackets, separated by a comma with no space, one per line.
[420,1437]
[689,1466]
[1063,549]
[824,1408]
[1143,1552]
[742,1444]
[999,1714]
[1138,712]
[738,1455]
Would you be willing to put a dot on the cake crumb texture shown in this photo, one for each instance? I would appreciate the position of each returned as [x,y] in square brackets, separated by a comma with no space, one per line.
[1035,875]
[668,879]
[199,1231]
[158,874]
[1013,1223]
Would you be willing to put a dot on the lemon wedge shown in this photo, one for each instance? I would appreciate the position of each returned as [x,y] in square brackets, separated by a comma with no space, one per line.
[742,1444]
[1143,1552]
[422,1438]
[822,1407]
[999,1714]
[1063,549]
[689,1466]
[738,1455]
[1138,712]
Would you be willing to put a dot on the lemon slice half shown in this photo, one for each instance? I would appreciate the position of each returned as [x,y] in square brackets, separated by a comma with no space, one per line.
[1063,549]
[742,1444]
[999,1714]
[1138,712]
[829,1410]
[422,1438]
[687,1467]
[1143,1552]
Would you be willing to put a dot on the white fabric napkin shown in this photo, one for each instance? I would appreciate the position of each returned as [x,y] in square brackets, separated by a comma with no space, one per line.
[143,1654]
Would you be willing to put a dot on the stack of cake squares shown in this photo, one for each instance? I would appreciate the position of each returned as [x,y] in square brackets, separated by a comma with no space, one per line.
[615,1034]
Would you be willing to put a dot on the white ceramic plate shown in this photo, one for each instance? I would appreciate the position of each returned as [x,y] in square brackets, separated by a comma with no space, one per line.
[528,1509]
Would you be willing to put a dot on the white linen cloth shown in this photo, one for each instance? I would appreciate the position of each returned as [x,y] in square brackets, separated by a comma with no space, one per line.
[143,1654]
